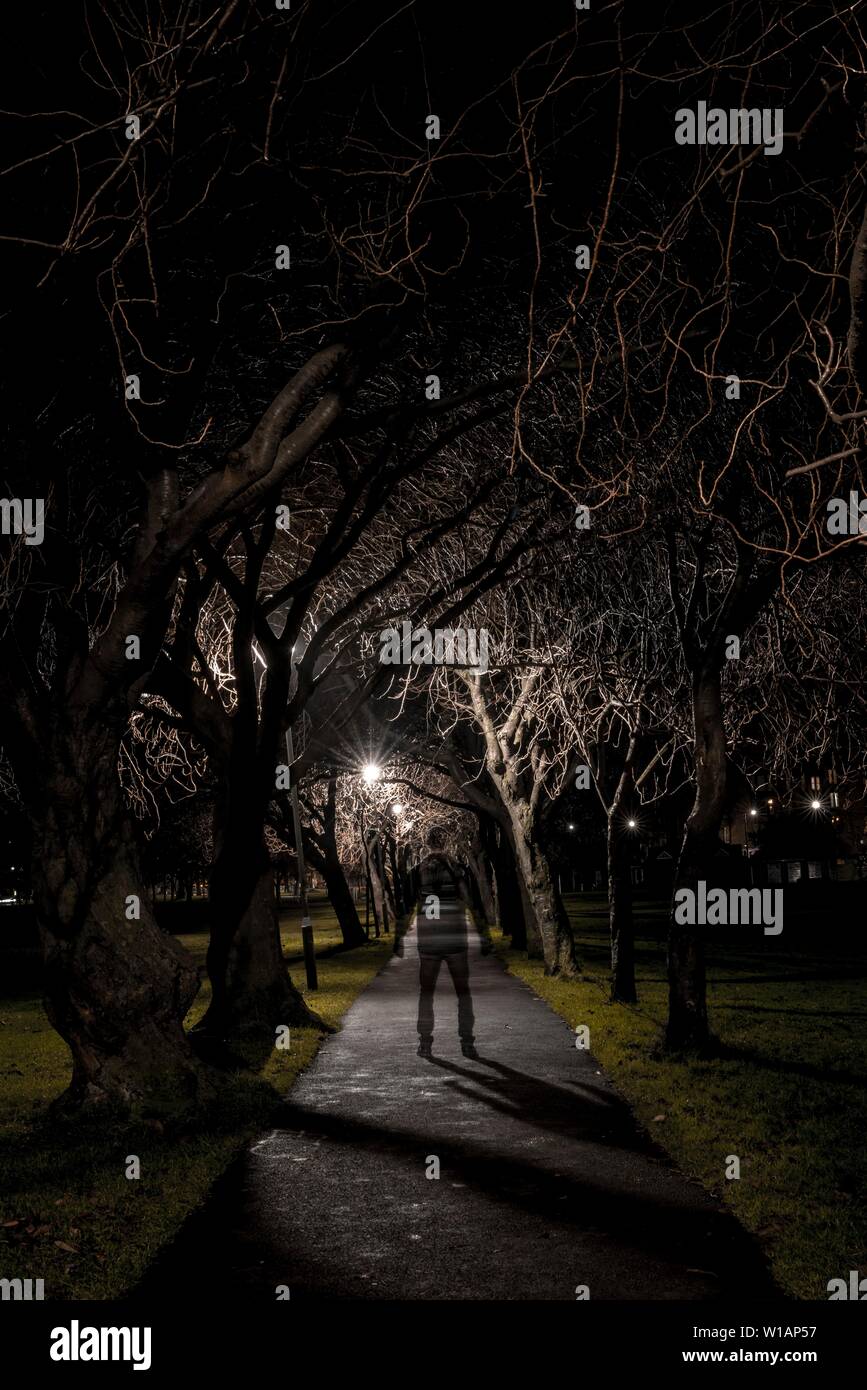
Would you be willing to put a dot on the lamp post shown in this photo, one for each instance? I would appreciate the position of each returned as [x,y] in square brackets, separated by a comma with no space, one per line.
[370,774]
[380,869]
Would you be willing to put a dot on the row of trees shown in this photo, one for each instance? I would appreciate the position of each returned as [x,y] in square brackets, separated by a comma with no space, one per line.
[294,433]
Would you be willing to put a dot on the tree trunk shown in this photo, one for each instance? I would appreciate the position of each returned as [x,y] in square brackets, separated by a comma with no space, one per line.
[487,834]
[687,990]
[547,914]
[483,898]
[509,894]
[325,861]
[399,905]
[377,888]
[374,884]
[389,901]
[341,899]
[480,867]
[252,991]
[406,877]
[620,914]
[116,987]
[339,894]
[259,991]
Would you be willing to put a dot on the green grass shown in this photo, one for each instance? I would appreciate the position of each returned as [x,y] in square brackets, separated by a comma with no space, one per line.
[786,1092]
[68,1213]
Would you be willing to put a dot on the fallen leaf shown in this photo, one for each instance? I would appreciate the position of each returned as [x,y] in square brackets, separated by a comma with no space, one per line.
[62,1245]
[657,1118]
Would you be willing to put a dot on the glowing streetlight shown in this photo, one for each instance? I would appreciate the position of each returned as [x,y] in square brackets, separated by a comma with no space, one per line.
[370,773]
[753,811]
[631,824]
[570,827]
[397,808]
[815,805]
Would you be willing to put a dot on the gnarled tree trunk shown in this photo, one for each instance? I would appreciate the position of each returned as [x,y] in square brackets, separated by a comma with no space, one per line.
[259,993]
[117,988]
[251,989]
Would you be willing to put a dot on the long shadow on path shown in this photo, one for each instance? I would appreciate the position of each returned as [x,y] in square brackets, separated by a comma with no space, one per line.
[517,1174]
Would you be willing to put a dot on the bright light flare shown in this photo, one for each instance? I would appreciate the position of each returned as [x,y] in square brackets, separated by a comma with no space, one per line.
[370,773]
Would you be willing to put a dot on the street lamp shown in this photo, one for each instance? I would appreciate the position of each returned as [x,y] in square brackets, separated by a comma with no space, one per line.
[370,773]
[397,808]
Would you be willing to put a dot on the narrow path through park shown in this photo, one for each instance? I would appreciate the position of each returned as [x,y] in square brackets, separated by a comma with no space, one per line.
[545,1181]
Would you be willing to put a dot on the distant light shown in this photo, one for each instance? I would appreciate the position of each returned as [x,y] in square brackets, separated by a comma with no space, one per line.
[631,824]
[753,811]
[816,805]
[370,772]
[397,808]
[570,827]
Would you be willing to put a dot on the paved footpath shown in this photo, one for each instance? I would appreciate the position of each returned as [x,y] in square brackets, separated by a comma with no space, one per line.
[545,1182]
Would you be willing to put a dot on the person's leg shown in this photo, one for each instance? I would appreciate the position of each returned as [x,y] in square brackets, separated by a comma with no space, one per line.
[459,969]
[428,970]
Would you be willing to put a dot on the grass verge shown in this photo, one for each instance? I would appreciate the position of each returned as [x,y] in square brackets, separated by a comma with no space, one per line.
[786,1094]
[68,1212]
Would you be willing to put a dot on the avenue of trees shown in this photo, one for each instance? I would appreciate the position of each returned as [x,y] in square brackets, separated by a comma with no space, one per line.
[289,370]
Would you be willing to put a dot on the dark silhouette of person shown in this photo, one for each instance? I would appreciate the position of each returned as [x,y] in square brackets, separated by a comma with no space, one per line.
[441,933]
